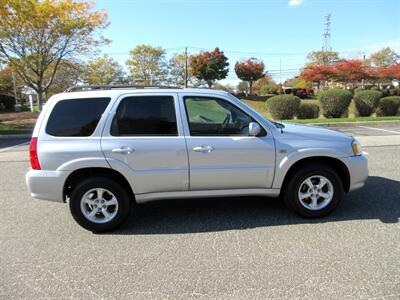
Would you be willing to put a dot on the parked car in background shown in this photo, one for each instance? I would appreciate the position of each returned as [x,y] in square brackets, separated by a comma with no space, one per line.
[102,148]
[299,92]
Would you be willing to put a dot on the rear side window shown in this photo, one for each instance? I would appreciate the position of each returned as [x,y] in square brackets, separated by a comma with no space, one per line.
[76,117]
[145,116]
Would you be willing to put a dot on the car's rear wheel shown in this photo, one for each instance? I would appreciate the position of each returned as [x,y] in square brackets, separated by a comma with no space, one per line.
[313,191]
[99,204]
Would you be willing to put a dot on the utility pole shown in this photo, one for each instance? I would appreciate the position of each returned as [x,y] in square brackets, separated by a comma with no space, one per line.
[326,46]
[362,80]
[186,68]
[280,71]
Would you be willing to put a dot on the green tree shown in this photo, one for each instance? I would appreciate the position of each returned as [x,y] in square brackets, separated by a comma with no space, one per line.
[384,58]
[35,36]
[209,66]
[323,58]
[103,70]
[69,73]
[148,65]
[177,67]
[298,82]
[264,85]
[243,87]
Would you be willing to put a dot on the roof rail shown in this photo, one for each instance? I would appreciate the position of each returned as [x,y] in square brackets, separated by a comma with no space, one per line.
[83,88]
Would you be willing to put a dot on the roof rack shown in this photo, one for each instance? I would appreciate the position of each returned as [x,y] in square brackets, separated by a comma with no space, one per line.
[83,88]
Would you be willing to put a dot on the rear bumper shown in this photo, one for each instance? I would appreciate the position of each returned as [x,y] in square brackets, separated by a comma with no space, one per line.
[46,185]
[358,169]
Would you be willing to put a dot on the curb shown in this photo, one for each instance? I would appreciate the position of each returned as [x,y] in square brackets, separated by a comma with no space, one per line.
[338,124]
[15,136]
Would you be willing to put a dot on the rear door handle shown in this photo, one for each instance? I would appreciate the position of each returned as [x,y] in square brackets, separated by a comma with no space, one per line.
[123,150]
[203,149]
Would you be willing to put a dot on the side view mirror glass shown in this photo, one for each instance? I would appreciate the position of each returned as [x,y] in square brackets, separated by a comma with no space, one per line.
[254,129]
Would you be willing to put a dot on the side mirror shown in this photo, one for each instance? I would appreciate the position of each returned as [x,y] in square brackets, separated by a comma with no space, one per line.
[254,129]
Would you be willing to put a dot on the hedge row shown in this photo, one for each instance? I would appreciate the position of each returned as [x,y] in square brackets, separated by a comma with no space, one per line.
[286,107]
[366,101]
[334,103]
[308,111]
[388,106]
[283,107]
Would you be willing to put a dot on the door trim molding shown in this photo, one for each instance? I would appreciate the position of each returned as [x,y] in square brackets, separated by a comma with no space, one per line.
[142,198]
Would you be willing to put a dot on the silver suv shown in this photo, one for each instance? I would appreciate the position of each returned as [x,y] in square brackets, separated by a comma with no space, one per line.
[103,148]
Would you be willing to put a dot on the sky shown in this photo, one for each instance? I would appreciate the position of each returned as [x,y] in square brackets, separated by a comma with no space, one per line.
[280,32]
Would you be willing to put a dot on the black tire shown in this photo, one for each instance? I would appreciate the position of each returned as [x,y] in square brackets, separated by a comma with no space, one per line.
[292,186]
[124,203]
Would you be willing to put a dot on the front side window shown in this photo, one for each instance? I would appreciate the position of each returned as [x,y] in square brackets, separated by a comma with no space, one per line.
[76,117]
[145,116]
[215,117]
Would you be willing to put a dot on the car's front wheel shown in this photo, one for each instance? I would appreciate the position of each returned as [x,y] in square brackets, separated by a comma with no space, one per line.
[313,191]
[99,204]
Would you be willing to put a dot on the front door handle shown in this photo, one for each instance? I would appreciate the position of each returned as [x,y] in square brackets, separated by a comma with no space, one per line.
[203,149]
[123,150]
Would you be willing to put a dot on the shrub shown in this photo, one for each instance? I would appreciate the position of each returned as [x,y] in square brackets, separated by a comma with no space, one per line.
[366,102]
[308,111]
[359,89]
[394,92]
[283,107]
[388,106]
[334,102]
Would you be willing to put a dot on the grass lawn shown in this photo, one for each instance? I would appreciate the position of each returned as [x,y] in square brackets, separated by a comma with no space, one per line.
[17,123]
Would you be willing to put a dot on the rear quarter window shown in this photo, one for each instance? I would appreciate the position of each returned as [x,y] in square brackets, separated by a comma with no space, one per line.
[76,117]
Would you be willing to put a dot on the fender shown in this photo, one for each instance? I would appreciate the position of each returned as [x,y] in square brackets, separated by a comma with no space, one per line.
[284,163]
[81,163]
[123,169]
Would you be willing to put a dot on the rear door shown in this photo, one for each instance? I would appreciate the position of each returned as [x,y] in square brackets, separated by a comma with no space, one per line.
[221,153]
[143,137]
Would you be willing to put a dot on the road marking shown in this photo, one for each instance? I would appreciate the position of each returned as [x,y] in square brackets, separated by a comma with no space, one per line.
[12,147]
[380,129]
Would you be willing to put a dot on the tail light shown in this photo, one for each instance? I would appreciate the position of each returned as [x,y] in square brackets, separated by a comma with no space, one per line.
[35,164]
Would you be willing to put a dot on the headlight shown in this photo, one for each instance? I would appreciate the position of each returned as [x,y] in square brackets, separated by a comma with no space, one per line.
[357,149]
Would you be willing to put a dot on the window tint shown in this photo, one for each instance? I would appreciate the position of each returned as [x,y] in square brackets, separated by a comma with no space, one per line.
[145,115]
[215,117]
[76,117]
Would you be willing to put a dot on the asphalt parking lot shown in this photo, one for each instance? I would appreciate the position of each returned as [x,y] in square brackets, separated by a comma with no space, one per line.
[240,248]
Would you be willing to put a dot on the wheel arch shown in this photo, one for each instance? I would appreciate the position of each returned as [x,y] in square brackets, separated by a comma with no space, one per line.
[80,174]
[335,163]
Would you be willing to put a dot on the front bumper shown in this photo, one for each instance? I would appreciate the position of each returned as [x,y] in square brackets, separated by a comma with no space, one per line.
[46,185]
[358,169]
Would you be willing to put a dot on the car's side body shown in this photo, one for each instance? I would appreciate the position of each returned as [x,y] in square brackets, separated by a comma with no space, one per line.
[102,149]
[166,167]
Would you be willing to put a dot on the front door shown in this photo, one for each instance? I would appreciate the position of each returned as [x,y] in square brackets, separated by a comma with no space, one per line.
[145,142]
[222,155]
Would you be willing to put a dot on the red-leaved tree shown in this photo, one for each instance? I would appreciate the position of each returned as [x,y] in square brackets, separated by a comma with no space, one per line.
[317,73]
[209,66]
[250,70]
[390,72]
[350,70]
